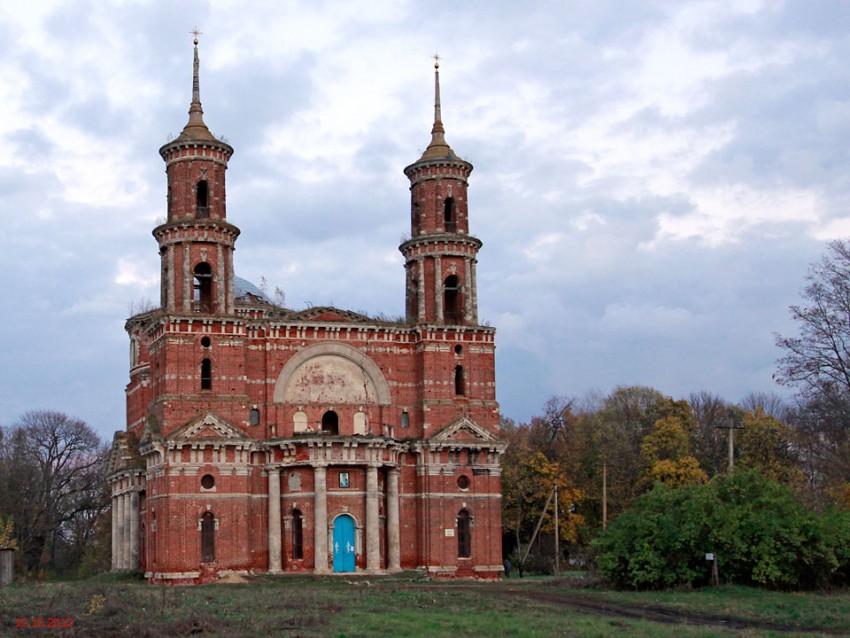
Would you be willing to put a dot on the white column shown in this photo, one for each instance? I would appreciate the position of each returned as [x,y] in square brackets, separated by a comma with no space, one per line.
[275,564]
[219,284]
[393,534]
[373,538]
[120,564]
[438,289]
[134,528]
[421,292]
[188,279]
[126,542]
[171,274]
[320,514]
[467,297]
[115,520]
[474,292]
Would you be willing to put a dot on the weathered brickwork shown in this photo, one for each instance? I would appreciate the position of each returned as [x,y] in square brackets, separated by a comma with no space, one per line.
[261,439]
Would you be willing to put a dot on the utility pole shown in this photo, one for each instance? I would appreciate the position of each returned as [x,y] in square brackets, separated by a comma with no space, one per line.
[557,546]
[604,493]
[733,423]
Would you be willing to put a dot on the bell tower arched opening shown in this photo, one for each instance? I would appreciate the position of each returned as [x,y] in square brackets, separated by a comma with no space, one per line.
[202,203]
[449,216]
[452,311]
[203,288]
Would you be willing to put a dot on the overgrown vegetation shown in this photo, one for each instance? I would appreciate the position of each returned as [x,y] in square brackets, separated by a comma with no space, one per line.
[758,530]
[407,605]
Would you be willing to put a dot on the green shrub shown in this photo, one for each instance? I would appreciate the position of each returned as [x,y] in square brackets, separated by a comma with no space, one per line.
[759,531]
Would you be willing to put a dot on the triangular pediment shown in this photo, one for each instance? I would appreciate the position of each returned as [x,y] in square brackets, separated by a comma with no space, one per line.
[208,427]
[150,431]
[124,453]
[463,430]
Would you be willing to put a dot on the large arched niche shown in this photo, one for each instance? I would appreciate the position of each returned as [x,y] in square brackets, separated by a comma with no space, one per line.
[331,374]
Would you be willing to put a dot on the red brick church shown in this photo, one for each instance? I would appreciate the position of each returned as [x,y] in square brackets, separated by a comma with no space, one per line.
[264,439]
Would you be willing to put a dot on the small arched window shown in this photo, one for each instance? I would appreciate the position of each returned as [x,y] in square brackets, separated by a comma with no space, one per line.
[207,538]
[206,374]
[449,220]
[451,300]
[297,534]
[460,382]
[414,220]
[202,204]
[330,422]
[464,535]
[203,287]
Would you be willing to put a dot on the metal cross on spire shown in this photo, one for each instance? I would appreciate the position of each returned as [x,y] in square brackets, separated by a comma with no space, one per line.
[436,57]
[196,32]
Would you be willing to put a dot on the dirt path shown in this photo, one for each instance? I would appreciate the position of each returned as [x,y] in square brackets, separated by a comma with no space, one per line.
[665,615]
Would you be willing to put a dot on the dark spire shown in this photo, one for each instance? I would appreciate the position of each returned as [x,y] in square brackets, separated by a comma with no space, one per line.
[438,148]
[195,128]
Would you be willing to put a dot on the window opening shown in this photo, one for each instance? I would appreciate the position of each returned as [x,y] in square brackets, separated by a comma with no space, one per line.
[208,481]
[203,287]
[206,374]
[460,383]
[207,538]
[464,544]
[254,417]
[449,215]
[405,419]
[330,422]
[297,534]
[202,207]
[451,303]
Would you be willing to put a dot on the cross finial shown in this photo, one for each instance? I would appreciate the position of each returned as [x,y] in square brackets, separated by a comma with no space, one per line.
[436,57]
[196,32]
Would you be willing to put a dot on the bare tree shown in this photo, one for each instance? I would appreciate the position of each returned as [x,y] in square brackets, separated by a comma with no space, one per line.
[710,442]
[817,361]
[51,466]
[768,403]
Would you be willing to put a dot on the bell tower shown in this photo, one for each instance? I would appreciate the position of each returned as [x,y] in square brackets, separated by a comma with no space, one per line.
[440,256]
[196,242]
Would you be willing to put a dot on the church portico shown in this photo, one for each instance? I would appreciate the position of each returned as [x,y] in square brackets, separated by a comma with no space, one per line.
[341,476]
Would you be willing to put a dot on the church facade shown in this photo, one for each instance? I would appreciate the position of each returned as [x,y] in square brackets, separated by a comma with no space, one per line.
[264,439]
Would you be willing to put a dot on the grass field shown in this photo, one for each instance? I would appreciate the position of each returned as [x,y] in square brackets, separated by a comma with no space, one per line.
[408,605]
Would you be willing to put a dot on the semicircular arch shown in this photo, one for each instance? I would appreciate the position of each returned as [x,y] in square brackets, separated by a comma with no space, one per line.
[324,352]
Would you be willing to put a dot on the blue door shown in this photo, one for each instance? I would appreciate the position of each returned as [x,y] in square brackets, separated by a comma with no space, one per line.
[344,544]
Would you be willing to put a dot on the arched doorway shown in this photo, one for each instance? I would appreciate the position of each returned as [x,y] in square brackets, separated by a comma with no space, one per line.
[344,544]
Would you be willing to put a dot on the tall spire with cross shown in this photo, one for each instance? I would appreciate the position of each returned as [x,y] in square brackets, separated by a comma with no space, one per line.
[438,148]
[195,128]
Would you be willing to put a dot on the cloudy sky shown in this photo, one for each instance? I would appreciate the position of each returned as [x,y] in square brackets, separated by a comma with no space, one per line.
[651,179]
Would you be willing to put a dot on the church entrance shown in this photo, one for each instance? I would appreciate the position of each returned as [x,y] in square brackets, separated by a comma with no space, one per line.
[344,544]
